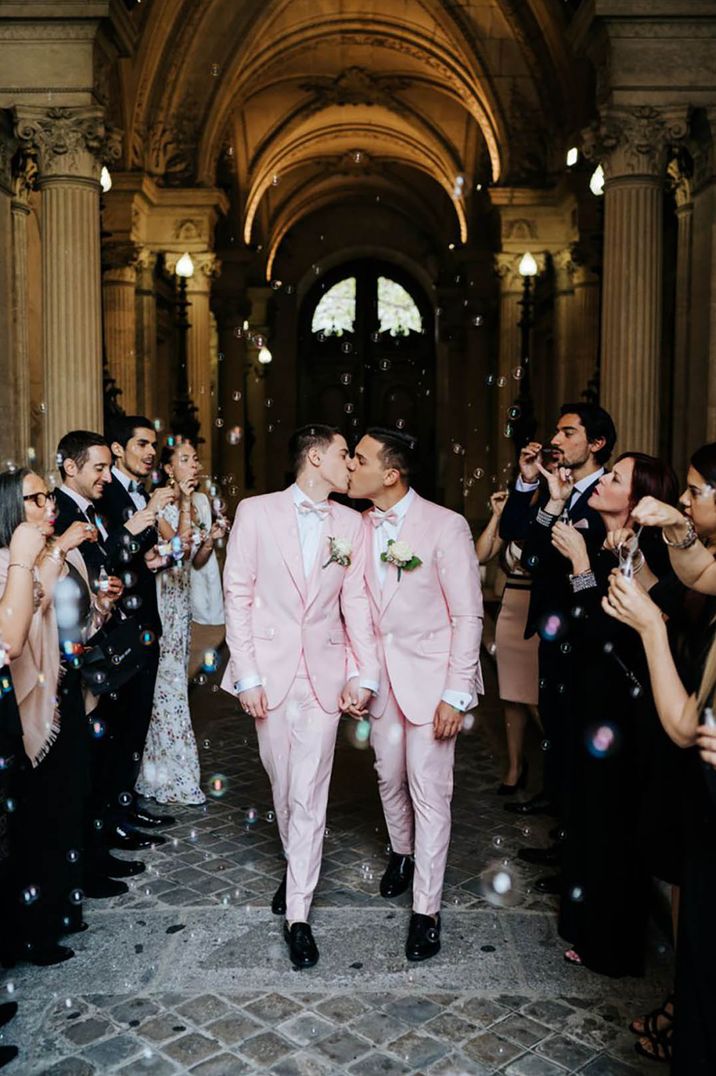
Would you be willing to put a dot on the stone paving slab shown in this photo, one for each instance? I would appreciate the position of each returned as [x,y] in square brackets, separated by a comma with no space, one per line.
[188,972]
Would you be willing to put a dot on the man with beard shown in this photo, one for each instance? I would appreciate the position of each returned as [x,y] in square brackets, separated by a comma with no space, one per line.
[581,444]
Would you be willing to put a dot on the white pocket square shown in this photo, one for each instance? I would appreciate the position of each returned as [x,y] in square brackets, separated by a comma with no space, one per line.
[582,524]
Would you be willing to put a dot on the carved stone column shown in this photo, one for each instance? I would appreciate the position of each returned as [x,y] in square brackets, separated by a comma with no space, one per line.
[8,440]
[632,146]
[70,144]
[120,324]
[508,354]
[146,337]
[22,185]
[681,439]
[585,332]
[198,345]
[564,334]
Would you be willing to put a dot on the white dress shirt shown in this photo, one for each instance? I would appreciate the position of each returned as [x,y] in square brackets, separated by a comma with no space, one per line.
[310,527]
[310,531]
[578,489]
[138,496]
[389,530]
[83,504]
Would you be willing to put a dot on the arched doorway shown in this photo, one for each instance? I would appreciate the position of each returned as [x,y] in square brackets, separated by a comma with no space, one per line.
[367,355]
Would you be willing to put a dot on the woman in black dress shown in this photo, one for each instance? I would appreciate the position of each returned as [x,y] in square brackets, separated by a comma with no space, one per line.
[604,903]
[47,894]
[16,610]
[688,721]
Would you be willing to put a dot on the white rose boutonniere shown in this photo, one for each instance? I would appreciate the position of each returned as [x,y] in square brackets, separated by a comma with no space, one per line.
[340,549]
[401,555]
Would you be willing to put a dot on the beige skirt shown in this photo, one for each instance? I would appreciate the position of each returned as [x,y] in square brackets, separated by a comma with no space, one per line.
[517,668]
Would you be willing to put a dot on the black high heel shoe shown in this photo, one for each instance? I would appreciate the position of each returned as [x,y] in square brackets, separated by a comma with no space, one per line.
[509,790]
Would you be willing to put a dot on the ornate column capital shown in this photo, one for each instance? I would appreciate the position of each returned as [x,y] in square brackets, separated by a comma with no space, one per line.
[564,268]
[507,269]
[634,141]
[68,142]
[680,177]
[146,259]
[206,267]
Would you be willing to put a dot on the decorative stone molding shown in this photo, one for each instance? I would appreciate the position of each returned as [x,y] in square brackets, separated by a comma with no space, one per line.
[634,141]
[67,141]
[146,259]
[355,86]
[189,229]
[24,179]
[680,172]
[206,265]
[506,268]
[564,267]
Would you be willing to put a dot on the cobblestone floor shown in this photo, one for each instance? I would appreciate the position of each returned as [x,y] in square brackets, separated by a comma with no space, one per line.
[189,972]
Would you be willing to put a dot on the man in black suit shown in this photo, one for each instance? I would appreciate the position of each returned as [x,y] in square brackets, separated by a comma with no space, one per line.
[582,443]
[84,460]
[129,516]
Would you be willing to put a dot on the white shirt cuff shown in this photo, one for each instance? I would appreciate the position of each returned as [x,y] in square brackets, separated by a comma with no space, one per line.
[370,685]
[525,487]
[458,699]
[247,683]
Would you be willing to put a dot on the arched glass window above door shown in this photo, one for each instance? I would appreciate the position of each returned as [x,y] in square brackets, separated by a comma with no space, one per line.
[397,311]
[336,310]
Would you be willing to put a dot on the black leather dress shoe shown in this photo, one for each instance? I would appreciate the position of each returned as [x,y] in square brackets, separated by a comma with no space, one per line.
[278,904]
[144,819]
[551,884]
[78,928]
[302,949]
[49,955]
[544,857]
[130,840]
[537,805]
[398,875]
[112,867]
[104,887]
[423,937]
[7,1054]
[7,1011]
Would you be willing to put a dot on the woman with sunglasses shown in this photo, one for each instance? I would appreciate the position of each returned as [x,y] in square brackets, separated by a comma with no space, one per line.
[55,731]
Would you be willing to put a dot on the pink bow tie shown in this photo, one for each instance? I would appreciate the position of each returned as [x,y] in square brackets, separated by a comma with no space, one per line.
[307,507]
[378,518]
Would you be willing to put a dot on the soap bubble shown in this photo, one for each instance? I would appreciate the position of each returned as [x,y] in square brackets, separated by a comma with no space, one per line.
[602,740]
[477,320]
[214,70]
[346,379]
[147,638]
[346,347]
[218,785]
[30,894]
[490,380]
[234,435]
[458,449]
[210,661]
[551,627]
[252,816]
[98,728]
[513,412]
[219,423]
[76,896]
[478,473]
[348,408]
[499,886]
[385,365]
[125,798]
[73,855]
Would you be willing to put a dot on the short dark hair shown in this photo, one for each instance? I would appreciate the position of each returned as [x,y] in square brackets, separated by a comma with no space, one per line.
[704,461]
[314,435]
[597,422]
[398,449]
[76,444]
[12,506]
[122,428]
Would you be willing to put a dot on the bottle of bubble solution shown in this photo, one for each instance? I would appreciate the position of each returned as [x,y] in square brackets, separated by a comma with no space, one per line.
[103,580]
[709,719]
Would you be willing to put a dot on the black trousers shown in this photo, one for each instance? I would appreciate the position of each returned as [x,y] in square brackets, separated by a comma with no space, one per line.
[52,818]
[556,690]
[118,752]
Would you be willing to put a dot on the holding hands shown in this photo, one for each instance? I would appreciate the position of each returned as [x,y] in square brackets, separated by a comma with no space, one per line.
[254,702]
[354,699]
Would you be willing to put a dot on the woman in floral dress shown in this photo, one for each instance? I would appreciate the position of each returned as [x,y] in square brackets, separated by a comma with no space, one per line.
[170,764]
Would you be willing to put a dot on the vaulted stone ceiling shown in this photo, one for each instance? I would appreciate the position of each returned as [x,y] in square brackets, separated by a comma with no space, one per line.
[297,105]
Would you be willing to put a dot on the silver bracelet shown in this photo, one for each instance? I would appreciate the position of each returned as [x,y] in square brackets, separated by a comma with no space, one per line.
[686,543]
[583,581]
[545,519]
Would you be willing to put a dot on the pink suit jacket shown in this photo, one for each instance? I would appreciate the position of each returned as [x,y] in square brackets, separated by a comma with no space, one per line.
[428,624]
[273,614]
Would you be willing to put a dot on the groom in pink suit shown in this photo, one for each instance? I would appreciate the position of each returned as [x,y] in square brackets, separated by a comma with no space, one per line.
[298,627]
[424,587]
